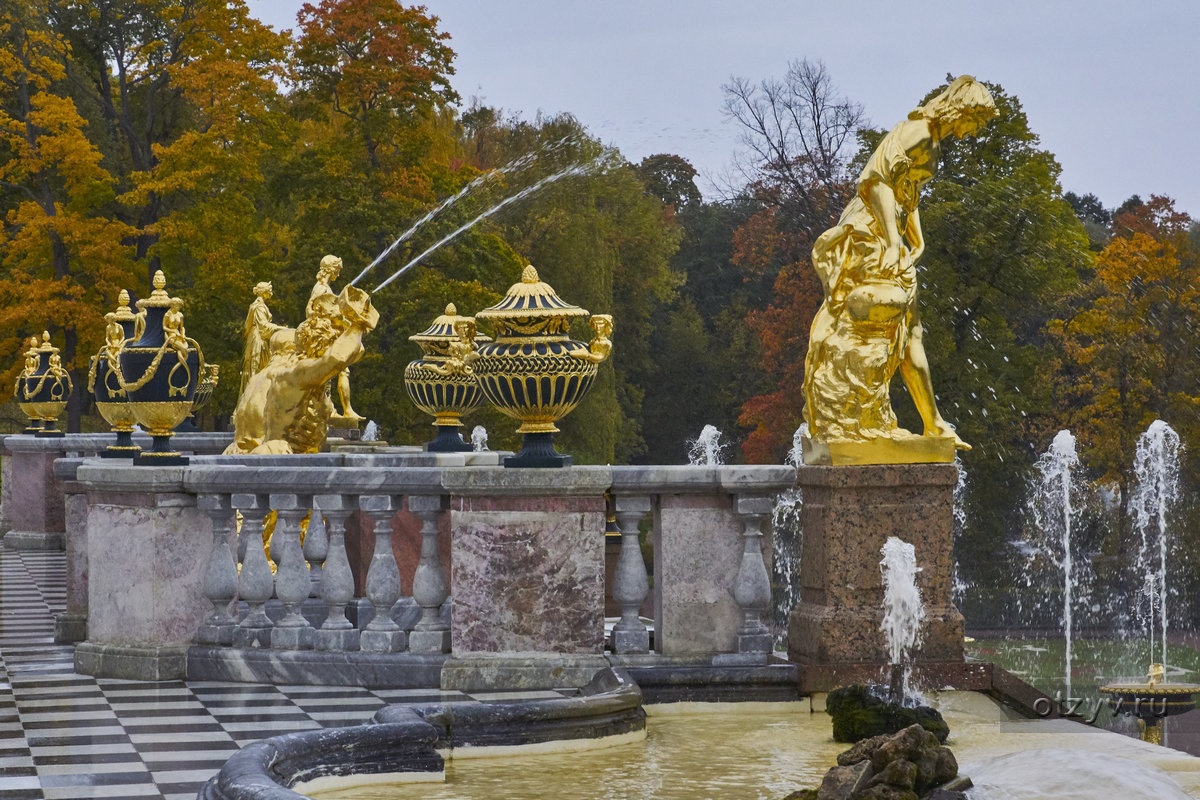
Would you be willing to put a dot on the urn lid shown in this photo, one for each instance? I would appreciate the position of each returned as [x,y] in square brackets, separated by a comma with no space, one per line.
[123,313]
[159,297]
[47,347]
[531,298]
[442,329]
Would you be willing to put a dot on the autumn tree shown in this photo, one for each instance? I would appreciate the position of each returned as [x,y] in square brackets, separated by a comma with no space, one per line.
[1128,338]
[798,133]
[64,257]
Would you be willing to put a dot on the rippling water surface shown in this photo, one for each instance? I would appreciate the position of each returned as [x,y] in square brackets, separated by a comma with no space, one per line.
[759,753]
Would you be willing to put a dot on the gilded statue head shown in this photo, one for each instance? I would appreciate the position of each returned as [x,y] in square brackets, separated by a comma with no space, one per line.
[263,289]
[960,109]
[331,267]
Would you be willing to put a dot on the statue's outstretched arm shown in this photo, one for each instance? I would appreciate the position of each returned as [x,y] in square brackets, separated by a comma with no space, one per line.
[883,208]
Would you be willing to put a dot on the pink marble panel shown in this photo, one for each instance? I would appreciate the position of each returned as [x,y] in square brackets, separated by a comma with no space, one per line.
[528,581]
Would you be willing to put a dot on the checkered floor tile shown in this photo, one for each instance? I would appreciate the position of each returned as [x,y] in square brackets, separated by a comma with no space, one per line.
[74,737]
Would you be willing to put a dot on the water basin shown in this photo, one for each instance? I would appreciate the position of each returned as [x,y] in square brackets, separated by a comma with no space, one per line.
[764,751]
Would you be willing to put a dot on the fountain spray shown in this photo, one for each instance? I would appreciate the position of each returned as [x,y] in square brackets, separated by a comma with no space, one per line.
[578,169]
[1055,513]
[706,449]
[903,613]
[1155,491]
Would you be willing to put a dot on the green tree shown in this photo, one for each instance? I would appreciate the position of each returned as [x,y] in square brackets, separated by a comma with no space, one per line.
[604,244]
[704,350]
[1002,245]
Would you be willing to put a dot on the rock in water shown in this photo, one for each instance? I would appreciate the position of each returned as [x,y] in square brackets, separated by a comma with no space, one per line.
[909,765]
[857,714]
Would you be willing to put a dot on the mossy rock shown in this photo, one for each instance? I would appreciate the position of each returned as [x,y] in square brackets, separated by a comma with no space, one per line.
[857,714]
[802,794]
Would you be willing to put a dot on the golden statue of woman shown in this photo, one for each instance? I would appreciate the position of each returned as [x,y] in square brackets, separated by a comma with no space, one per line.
[258,331]
[868,325]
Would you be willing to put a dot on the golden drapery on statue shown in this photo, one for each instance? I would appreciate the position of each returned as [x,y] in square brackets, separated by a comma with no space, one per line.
[285,407]
[868,325]
[258,331]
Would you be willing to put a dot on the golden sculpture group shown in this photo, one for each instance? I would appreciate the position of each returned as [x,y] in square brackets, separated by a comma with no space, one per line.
[868,325]
[285,404]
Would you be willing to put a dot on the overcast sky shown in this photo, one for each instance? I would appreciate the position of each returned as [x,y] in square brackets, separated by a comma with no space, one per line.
[1112,88]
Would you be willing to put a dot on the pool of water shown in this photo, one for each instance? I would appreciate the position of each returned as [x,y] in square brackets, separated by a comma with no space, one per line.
[763,752]
[766,751]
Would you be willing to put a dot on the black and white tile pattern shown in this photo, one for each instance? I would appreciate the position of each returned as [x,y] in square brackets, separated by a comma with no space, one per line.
[71,737]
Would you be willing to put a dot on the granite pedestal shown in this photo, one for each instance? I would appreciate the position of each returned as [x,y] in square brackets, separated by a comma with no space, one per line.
[848,514]
[148,548]
[527,558]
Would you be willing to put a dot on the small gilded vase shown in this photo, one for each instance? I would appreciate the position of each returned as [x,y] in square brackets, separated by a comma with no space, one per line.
[43,387]
[104,379]
[442,382]
[160,372]
[534,371]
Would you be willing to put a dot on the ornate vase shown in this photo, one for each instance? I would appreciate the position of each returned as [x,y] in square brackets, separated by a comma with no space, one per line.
[160,373]
[104,379]
[43,387]
[442,382]
[534,371]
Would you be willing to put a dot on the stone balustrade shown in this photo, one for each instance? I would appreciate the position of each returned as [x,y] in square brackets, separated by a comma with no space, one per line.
[178,587]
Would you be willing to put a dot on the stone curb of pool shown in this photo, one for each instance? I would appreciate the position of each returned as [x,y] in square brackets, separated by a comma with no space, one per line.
[407,739]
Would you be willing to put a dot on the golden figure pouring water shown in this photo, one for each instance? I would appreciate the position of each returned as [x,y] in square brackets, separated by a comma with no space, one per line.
[868,325]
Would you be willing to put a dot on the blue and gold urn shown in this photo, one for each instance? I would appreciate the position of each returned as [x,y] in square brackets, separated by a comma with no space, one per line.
[43,387]
[160,372]
[442,382]
[534,371]
[104,380]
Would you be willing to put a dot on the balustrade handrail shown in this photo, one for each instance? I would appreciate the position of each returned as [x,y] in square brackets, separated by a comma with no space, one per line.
[242,479]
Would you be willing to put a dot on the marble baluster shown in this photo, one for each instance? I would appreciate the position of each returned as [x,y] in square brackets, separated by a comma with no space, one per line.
[430,584]
[316,548]
[752,586]
[337,581]
[255,582]
[221,576]
[631,583]
[292,584]
[382,634]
